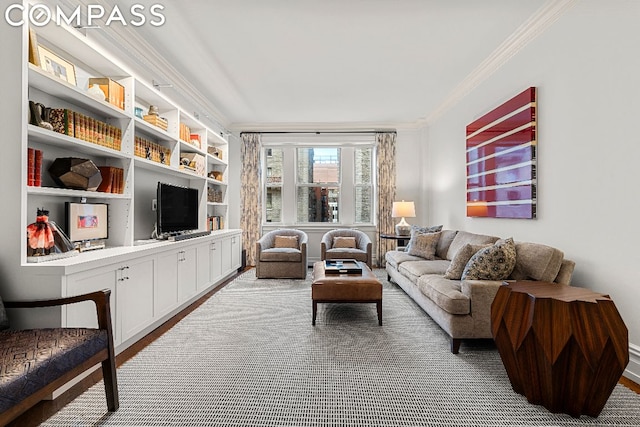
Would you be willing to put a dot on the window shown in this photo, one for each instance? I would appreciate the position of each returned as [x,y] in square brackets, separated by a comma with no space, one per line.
[273,186]
[319,183]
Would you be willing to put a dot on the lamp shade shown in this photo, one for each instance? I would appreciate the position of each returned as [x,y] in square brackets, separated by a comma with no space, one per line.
[403,210]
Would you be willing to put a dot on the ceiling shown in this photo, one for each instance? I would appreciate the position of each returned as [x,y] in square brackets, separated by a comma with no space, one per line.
[256,62]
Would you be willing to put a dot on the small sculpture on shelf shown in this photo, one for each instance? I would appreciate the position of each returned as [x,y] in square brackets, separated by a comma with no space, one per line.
[76,173]
[39,115]
[46,240]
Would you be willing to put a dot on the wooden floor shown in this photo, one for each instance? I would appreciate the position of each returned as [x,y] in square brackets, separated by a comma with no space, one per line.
[46,408]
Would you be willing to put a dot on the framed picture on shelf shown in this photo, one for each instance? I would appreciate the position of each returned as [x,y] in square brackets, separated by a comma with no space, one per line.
[57,66]
[33,48]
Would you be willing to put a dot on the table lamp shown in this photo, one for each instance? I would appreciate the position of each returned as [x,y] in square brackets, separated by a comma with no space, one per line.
[401,210]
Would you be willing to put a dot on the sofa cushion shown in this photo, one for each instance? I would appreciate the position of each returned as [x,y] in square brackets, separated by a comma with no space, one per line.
[537,262]
[445,293]
[414,269]
[4,320]
[459,262]
[395,258]
[464,237]
[424,245]
[446,237]
[344,253]
[493,262]
[416,230]
[286,242]
[281,255]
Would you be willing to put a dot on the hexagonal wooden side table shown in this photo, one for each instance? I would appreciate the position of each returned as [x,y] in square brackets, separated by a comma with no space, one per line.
[563,347]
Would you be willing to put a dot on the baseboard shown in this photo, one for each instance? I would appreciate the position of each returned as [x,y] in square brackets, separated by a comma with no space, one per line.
[632,371]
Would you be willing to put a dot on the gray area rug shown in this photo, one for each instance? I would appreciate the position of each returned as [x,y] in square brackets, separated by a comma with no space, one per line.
[250,357]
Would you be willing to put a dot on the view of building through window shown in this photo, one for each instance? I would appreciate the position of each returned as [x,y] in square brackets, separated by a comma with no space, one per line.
[319,187]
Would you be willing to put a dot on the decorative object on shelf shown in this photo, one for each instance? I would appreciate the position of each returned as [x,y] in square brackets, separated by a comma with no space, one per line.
[46,241]
[401,210]
[214,195]
[194,162]
[195,139]
[95,92]
[113,92]
[39,115]
[503,139]
[153,110]
[215,151]
[57,66]
[138,112]
[75,173]
[217,175]
[34,58]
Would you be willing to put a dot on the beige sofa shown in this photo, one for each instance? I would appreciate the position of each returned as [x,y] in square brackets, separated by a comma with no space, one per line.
[462,308]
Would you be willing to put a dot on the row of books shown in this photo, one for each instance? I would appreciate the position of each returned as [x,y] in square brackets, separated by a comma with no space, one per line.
[86,128]
[151,150]
[112,180]
[34,167]
[215,223]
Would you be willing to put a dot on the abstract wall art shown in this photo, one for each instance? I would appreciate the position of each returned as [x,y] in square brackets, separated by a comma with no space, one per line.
[501,160]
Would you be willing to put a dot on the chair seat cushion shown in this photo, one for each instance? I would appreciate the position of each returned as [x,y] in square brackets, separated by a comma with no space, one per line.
[345,253]
[33,358]
[281,255]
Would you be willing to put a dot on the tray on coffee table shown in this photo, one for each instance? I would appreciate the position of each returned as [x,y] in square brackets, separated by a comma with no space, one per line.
[342,266]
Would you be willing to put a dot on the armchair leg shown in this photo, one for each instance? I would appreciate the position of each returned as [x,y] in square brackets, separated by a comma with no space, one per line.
[455,345]
[110,384]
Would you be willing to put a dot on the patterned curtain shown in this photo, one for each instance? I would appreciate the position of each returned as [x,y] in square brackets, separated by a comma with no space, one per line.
[386,190]
[250,194]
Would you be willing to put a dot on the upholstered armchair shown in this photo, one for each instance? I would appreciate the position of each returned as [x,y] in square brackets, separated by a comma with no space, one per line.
[282,254]
[346,243]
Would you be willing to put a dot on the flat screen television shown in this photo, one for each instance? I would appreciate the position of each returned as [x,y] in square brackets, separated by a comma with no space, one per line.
[177,209]
[86,221]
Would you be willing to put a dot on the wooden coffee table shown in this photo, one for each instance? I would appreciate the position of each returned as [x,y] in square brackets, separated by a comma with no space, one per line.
[345,288]
[563,347]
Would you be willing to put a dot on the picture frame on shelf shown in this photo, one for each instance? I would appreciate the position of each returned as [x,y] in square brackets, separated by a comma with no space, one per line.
[59,67]
[34,58]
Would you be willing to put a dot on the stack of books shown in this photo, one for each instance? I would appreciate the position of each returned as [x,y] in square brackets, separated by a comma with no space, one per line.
[112,180]
[34,167]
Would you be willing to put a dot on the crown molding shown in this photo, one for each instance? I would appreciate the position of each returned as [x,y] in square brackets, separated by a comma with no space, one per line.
[323,127]
[537,23]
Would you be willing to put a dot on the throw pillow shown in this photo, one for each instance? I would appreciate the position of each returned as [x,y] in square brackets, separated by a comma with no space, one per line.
[286,242]
[460,260]
[416,230]
[344,242]
[495,262]
[424,245]
[4,320]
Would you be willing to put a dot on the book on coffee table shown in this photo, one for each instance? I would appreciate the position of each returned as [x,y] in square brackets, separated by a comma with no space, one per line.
[342,266]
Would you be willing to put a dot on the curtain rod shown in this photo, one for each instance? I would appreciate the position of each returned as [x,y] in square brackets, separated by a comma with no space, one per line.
[321,132]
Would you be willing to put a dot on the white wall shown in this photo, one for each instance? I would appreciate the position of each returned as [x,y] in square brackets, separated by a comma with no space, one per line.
[587,71]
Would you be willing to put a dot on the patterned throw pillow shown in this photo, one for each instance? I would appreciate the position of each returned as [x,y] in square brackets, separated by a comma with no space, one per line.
[4,320]
[344,242]
[286,242]
[424,245]
[416,230]
[460,260]
[492,263]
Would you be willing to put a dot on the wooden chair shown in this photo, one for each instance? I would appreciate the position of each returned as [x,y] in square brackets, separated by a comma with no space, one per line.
[36,362]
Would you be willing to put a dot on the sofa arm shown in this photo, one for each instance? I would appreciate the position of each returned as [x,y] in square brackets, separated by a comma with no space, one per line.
[481,293]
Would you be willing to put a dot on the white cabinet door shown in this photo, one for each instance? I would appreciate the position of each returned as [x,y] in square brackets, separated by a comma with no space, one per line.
[226,256]
[83,315]
[165,296]
[216,260]
[187,273]
[134,291]
[236,252]
[204,266]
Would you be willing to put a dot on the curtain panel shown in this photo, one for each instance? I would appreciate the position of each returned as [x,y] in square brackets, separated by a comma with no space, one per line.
[250,194]
[386,191]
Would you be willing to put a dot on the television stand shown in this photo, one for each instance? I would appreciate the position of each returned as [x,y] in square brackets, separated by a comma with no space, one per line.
[186,236]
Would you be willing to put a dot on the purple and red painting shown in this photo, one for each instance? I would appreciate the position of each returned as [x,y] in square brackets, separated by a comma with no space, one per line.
[501,160]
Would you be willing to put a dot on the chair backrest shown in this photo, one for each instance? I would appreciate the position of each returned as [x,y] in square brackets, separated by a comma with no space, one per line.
[268,239]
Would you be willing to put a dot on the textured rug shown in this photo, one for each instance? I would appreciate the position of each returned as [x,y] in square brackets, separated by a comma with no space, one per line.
[249,357]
